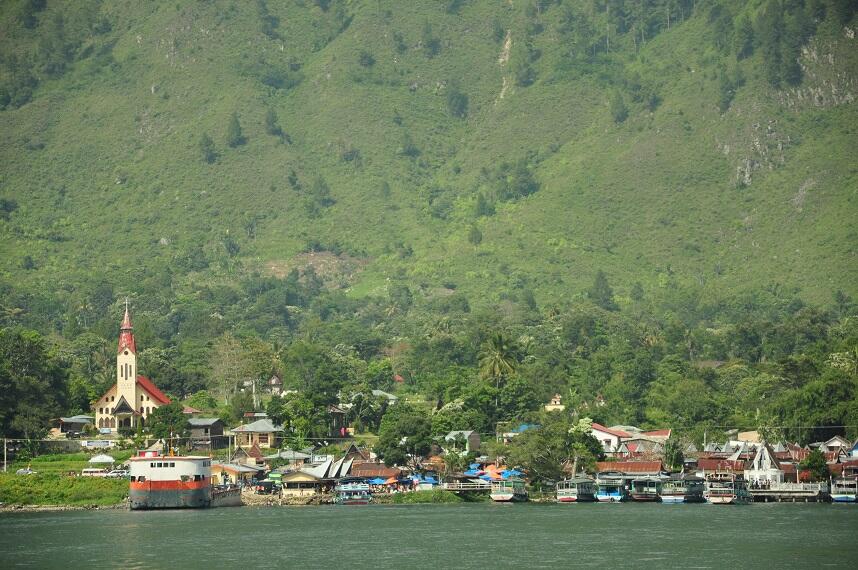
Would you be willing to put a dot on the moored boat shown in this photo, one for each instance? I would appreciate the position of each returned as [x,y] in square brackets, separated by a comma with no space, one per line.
[510,490]
[576,490]
[159,482]
[682,489]
[352,492]
[844,489]
[611,487]
[727,489]
[646,489]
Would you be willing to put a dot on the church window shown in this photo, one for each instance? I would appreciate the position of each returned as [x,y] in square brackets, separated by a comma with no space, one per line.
[141,397]
[148,410]
[141,409]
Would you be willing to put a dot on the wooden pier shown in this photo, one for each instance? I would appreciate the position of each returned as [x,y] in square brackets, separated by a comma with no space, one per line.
[466,486]
[791,493]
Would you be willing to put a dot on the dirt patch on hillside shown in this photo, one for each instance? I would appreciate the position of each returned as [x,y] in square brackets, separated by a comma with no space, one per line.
[335,270]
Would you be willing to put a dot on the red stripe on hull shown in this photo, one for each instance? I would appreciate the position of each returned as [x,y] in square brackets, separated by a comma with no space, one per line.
[170,485]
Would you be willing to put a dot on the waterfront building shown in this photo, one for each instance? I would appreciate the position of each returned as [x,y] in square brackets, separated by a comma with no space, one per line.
[132,399]
[470,440]
[764,468]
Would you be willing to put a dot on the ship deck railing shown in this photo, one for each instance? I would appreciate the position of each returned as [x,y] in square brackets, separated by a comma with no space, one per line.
[466,486]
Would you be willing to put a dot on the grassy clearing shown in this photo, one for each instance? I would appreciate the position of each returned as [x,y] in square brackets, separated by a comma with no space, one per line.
[54,489]
[63,463]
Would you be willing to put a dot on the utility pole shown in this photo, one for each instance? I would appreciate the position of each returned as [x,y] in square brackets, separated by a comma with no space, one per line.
[4,454]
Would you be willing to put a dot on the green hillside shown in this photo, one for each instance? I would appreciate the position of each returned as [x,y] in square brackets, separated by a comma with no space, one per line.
[423,161]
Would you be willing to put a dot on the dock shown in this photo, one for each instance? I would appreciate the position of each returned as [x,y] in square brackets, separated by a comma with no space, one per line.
[791,493]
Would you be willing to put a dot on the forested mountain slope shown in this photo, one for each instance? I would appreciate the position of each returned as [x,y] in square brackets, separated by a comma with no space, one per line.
[269,168]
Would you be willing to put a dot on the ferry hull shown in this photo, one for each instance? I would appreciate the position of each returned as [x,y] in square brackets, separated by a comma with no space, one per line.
[645,498]
[170,495]
[672,499]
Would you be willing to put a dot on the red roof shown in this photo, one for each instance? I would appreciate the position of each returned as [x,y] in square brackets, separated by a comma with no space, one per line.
[373,469]
[614,432]
[191,410]
[715,464]
[153,390]
[657,433]
[630,466]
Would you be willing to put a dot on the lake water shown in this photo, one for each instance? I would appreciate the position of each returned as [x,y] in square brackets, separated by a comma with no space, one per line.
[474,535]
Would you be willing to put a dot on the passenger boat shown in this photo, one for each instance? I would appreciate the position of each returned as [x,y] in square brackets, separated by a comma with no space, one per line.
[682,489]
[167,482]
[352,492]
[510,490]
[727,489]
[844,489]
[611,488]
[576,490]
[646,489]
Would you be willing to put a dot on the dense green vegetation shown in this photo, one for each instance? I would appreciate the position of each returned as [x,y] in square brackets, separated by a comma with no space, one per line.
[426,497]
[646,207]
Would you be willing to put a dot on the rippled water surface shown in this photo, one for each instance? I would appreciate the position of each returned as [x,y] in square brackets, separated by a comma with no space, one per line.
[438,536]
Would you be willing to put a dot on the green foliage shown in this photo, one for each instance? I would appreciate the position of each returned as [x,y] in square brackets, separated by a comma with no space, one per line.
[32,384]
[52,489]
[618,108]
[601,292]
[169,421]
[816,464]
[457,102]
[435,496]
[234,137]
[405,433]
[558,442]
[207,148]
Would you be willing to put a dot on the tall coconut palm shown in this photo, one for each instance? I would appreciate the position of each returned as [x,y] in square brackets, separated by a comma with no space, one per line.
[498,359]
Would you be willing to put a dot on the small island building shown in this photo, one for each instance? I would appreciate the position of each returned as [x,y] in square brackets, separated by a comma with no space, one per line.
[128,403]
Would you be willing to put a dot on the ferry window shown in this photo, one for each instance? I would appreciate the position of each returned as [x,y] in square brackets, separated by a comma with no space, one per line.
[172,464]
[198,477]
[160,465]
[151,465]
[132,478]
[141,479]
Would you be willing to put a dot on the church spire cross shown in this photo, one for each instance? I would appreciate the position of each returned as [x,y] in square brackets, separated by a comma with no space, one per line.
[126,336]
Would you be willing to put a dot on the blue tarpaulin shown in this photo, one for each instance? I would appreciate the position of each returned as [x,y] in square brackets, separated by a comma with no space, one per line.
[377,481]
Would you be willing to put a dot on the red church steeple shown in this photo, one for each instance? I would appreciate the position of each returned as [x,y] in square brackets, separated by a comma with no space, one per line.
[126,336]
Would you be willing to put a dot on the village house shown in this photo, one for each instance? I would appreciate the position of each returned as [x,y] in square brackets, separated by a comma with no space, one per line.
[609,438]
[231,473]
[132,399]
[73,425]
[468,440]
[207,432]
[262,432]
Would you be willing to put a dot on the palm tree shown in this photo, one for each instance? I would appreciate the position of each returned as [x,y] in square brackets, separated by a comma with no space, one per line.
[498,359]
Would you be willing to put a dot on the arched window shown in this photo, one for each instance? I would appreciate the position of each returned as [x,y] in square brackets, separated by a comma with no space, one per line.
[141,409]
[141,398]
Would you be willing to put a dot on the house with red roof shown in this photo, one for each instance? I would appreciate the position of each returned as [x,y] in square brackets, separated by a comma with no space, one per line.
[133,398]
[609,438]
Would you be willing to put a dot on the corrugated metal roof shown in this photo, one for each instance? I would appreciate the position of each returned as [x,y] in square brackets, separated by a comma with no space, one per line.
[202,422]
[259,426]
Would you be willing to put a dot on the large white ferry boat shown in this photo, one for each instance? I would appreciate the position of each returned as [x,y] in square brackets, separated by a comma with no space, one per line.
[173,482]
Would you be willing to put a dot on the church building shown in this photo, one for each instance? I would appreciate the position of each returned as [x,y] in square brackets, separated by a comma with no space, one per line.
[130,401]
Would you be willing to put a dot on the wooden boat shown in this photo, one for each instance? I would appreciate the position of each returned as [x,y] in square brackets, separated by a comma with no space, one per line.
[727,489]
[576,490]
[844,489]
[611,487]
[352,492]
[682,489]
[646,489]
[510,490]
